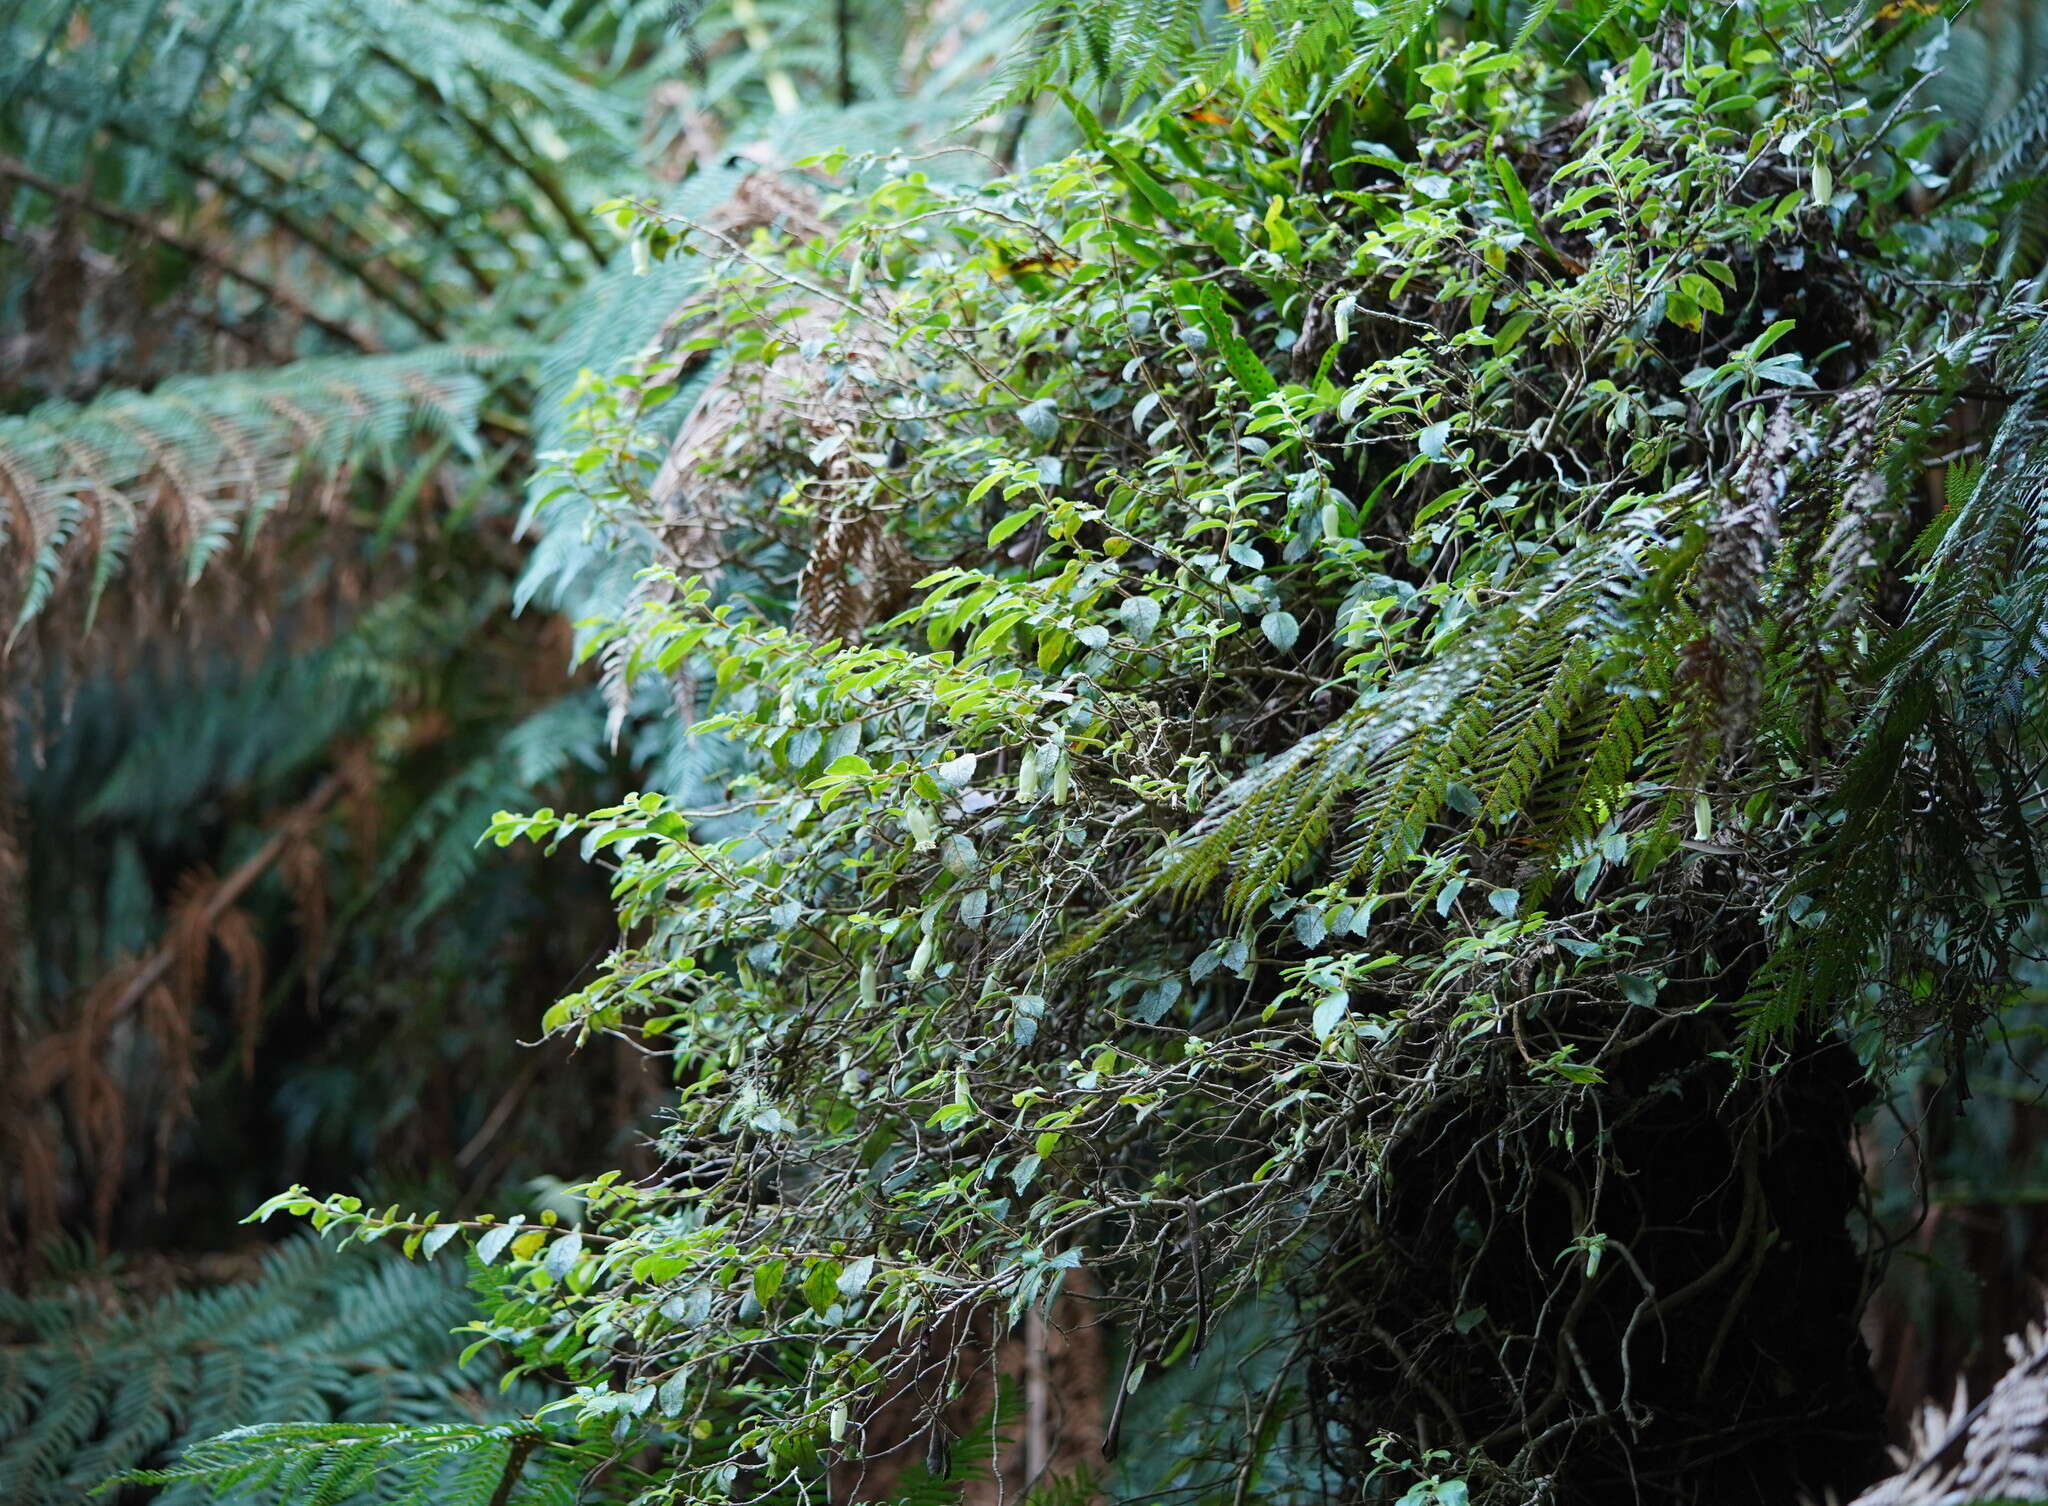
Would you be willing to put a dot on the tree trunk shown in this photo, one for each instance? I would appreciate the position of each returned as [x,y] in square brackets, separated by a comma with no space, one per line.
[1643,1291]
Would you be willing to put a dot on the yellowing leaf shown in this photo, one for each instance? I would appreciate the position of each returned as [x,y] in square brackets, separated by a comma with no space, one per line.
[1280,234]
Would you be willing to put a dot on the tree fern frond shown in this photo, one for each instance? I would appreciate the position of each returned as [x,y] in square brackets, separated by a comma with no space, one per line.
[328,1348]
[1449,713]
[1291,42]
[1940,769]
[1598,761]
[522,764]
[396,168]
[1128,49]
[325,1464]
[1130,46]
[1990,1452]
[208,458]
[1529,669]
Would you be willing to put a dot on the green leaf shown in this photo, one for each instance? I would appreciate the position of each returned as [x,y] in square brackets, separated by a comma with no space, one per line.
[1770,337]
[1011,524]
[1281,629]
[1640,67]
[1702,290]
[1440,502]
[821,1286]
[852,1281]
[1140,615]
[1091,128]
[493,1243]
[1519,207]
[1205,305]
[1639,990]
[1150,191]
[1510,334]
[562,1255]
[1280,234]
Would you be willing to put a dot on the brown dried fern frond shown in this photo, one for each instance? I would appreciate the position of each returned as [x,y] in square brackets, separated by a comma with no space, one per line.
[800,404]
[856,572]
[201,464]
[128,1043]
[1721,672]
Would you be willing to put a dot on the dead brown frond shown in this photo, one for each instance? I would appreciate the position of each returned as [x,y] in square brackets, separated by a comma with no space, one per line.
[304,873]
[856,570]
[1722,668]
[170,1029]
[767,200]
[153,489]
[71,274]
[127,1048]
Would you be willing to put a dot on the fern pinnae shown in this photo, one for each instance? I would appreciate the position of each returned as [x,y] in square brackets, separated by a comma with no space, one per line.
[1936,744]
[209,457]
[2002,148]
[1282,821]
[90,1393]
[1400,795]
[1594,783]
[1499,679]
[1299,784]
[1576,683]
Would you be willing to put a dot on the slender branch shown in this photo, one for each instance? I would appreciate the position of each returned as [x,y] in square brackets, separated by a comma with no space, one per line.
[842,21]
[515,1461]
[14,169]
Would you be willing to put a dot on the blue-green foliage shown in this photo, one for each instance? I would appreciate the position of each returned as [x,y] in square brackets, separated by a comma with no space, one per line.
[93,1383]
[411,160]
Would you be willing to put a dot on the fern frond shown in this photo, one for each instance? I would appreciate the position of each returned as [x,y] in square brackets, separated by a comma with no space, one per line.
[396,1464]
[1130,46]
[204,460]
[1940,772]
[348,1360]
[522,763]
[1488,713]
[380,146]
[1131,49]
